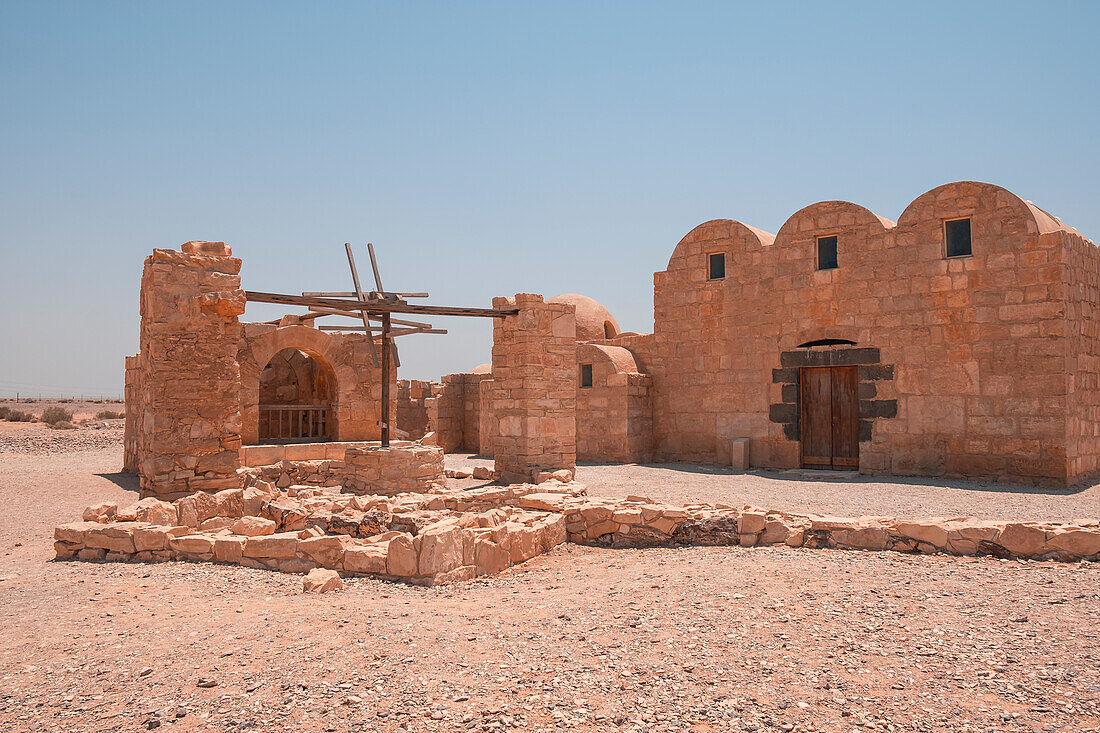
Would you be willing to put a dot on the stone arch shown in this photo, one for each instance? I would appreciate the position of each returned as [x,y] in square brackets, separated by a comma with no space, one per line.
[975,198]
[606,360]
[297,398]
[831,217]
[258,349]
[794,339]
[738,238]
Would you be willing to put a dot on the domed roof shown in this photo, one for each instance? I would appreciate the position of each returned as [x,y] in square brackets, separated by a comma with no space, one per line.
[482,369]
[594,322]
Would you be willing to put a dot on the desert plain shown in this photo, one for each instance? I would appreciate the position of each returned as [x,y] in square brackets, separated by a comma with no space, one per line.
[582,638]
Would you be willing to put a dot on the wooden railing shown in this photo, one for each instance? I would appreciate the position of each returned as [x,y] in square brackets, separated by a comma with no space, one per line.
[294,422]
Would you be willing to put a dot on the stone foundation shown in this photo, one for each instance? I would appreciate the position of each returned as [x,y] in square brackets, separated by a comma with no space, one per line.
[450,536]
[393,470]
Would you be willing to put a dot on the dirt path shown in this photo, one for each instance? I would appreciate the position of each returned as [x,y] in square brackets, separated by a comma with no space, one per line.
[700,639]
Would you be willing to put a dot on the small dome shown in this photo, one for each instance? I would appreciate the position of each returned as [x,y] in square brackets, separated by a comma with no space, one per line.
[482,369]
[594,322]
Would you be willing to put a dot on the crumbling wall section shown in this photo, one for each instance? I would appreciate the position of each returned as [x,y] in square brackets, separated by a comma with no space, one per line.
[416,406]
[448,425]
[188,381]
[534,396]
[133,446]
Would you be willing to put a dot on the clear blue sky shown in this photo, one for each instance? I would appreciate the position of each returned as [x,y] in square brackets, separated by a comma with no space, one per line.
[490,148]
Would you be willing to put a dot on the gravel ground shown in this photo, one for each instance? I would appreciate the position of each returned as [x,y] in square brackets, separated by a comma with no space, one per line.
[40,440]
[848,495]
[699,639]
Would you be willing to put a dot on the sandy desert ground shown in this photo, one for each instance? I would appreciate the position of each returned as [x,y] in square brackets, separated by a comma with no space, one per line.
[698,639]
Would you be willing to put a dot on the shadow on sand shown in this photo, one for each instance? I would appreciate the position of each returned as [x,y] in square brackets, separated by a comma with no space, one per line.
[123,480]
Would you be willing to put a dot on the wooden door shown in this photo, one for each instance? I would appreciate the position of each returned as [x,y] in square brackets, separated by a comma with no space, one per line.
[829,417]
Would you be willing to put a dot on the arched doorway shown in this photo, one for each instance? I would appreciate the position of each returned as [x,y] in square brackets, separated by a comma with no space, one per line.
[297,399]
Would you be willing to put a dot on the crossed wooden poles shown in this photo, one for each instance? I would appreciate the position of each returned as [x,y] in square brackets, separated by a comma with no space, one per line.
[375,305]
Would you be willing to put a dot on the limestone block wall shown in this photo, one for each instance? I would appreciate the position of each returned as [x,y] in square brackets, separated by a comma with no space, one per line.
[486,422]
[135,409]
[415,404]
[188,430]
[613,415]
[471,412]
[458,410]
[392,470]
[977,344]
[358,393]
[448,425]
[534,393]
[1081,262]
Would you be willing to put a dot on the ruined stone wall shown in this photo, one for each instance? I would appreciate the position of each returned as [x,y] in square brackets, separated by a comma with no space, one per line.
[415,405]
[534,395]
[188,429]
[135,409]
[448,425]
[358,389]
[486,422]
[613,417]
[471,412]
[965,372]
[458,423]
[392,470]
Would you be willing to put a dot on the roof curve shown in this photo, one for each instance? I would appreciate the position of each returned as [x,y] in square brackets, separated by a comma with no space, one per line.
[594,321]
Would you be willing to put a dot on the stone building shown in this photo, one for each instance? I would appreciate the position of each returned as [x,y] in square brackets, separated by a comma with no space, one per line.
[208,396]
[961,340]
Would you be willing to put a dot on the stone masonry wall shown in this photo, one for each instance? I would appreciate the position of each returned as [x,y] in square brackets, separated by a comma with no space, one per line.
[358,399]
[449,421]
[534,394]
[135,408]
[392,470]
[979,374]
[414,405]
[613,416]
[1081,261]
[190,422]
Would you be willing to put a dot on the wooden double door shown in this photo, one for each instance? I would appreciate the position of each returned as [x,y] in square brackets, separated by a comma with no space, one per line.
[829,417]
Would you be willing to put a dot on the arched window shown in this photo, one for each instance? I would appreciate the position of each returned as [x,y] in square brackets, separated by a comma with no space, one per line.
[826,342]
[297,397]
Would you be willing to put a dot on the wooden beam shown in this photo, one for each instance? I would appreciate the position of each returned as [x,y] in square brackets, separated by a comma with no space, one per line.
[317,312]
[317,303]
[377,329]
[351,294]
[385,379]
[385,316]
[358,295]
[374,266]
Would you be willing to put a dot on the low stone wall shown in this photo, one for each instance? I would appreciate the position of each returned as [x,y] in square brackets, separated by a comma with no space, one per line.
[296,473]
[393,470]
[266,455]
[641,523]
[432,538]
[261,527]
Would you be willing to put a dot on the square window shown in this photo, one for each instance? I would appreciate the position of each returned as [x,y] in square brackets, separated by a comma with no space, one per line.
[716,265]
[826,253]
[957,234]
[586,375]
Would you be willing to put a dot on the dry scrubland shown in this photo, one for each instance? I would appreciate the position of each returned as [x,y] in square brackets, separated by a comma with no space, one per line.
[701,639]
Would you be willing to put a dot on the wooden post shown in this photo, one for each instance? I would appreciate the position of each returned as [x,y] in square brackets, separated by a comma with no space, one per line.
[385,380]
